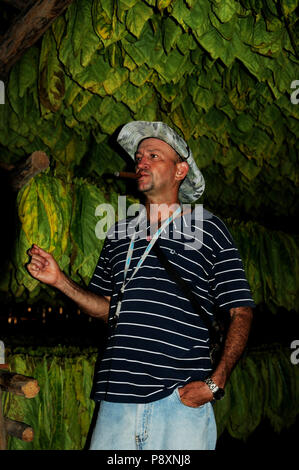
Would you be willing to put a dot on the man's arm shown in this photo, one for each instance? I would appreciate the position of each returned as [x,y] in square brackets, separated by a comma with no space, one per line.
[197,393]
[44,268]
[237,336]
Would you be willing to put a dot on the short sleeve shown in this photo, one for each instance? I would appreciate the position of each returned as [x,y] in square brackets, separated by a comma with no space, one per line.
[101,281]
[229,284]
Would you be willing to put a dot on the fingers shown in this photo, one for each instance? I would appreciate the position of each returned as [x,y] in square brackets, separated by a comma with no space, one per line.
[39,259]
[39,262]
[37,250]
[33,269]
[195,394]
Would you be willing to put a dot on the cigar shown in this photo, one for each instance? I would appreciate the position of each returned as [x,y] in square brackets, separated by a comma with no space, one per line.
[125,174]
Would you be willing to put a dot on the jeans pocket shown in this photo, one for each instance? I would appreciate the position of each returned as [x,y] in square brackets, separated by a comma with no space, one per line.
[177,393]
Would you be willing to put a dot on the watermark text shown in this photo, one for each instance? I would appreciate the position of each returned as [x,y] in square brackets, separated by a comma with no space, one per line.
[295,354]
[2,353]
[2,92]
[140,222]
[295,94]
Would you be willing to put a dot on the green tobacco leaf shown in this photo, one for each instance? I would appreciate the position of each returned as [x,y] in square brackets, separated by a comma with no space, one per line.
[244,122]
[257,141]
[131,95]
[147,111]
[172,67]
[204,150]
[180,12]
[123,6]
[225,10]
[139,76]
[253,62]
[226,29]
[129,63]
[51,75]
[114,80]
[137,17]
[27,70]
[186,43]
[162,4]
[288,6]
[249,169]
[44,208]
[218,47]
[85,105]
[103,18]
[87,246]
[74,52]
[203,98]
[215,119]
[246,29]
[171,33]
[58,29]
[198,18]
[91,78]
[112,115]
[168,91]
[148,49]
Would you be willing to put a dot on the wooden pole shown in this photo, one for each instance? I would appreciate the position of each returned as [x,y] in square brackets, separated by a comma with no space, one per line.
[28,27]
[18,384]
[3,443]
[19,430]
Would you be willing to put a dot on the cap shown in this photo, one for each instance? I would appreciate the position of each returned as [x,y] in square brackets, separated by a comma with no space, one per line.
[131,135]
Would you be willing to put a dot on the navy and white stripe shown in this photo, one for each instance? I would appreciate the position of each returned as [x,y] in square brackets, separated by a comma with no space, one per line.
[160,341]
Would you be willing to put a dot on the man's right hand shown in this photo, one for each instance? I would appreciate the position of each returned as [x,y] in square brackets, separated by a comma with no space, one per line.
[43,266]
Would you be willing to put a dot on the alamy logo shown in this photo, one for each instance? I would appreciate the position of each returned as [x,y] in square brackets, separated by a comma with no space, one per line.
[2,92]
[295,94]
[189,226]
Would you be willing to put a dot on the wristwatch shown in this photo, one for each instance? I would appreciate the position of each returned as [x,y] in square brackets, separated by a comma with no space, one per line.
[218,392]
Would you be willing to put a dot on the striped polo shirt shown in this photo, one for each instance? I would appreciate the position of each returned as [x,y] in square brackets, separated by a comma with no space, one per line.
[160,342]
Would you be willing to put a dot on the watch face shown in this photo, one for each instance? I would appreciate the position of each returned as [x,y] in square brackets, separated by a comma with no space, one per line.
[219,394]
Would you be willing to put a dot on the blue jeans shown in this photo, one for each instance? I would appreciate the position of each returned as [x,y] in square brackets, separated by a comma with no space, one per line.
[165,424]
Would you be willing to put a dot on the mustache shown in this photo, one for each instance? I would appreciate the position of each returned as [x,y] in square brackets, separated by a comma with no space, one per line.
[141,173]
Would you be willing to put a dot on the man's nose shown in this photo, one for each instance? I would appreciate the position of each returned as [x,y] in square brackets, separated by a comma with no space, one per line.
[143,162]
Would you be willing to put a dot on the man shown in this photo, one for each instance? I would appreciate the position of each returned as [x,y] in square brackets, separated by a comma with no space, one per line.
[154,383]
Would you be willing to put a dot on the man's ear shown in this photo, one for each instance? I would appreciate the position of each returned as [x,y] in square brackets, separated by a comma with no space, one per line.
[182,170]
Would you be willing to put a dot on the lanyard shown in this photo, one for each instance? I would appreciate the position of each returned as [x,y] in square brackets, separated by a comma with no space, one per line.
[146,252]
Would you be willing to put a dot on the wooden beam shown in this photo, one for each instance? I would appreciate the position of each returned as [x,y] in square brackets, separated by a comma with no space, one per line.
[27,29]
[19,430]
[18,4]
[18,384]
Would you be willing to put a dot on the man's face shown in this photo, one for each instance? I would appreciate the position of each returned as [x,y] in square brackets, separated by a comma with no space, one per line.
[156,167]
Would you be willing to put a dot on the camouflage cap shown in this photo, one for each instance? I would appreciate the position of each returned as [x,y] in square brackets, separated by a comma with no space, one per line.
[132,133]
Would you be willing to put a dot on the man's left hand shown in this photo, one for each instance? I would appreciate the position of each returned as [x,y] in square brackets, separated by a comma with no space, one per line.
[195,394]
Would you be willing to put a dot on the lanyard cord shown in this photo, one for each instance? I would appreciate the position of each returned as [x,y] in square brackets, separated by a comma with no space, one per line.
[146,252]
